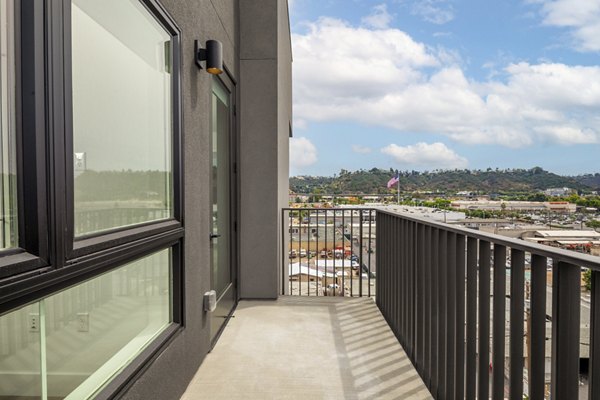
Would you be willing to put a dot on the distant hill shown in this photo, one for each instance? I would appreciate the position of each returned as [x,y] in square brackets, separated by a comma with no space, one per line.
[483,181]
[591,180]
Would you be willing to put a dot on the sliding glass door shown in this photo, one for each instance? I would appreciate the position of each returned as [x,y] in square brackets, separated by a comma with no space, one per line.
[222,236]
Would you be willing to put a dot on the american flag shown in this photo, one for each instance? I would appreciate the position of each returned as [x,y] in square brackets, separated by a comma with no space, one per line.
[393,181]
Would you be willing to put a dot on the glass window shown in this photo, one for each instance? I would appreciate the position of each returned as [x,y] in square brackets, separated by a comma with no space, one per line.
[20,354]
[122,106]
[8,164]
[71,344]
[94,329]
[220,193]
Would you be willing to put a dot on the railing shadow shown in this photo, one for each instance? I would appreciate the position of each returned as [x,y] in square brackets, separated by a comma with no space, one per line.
[372,363]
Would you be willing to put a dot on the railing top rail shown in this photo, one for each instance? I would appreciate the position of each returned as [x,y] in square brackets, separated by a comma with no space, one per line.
[571,257]
[329,209]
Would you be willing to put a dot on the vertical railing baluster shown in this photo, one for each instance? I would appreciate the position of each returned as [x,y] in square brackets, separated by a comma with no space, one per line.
[392,270]
[331,261]
[300,253]
[400,282]
[459,369]
[435,311]
[483,374]
[450,314]
[326,263]
[381,249]
[351,252]
[427,282]
[290,261]
[369,255]
[537,329]
[317,252]
[409,286]
[283,236]
[343,253]
[517,312]
[379,298]
[394,278]
[415,287]
[499,322]
[410,290]
[442,305]
[566,298]
[420,298]
[360,255]
[308,239]
[471,356]
[594,373]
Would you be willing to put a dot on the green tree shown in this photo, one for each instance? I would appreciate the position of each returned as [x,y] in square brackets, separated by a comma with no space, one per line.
[587,279]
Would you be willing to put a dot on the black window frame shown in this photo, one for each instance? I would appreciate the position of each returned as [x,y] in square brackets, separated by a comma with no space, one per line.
[31,256]
[49,259]
[77,247]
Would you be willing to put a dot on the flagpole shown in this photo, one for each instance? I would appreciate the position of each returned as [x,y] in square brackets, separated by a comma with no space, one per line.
[398,176]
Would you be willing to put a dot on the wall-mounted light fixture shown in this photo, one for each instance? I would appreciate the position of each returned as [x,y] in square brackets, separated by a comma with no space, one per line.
[212,54]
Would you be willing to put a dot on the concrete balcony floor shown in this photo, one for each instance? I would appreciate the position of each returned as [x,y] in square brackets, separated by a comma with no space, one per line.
[307,348]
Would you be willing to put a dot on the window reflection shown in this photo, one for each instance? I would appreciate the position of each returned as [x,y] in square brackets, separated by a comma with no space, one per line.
[8,164]
[121,116]
[71,344]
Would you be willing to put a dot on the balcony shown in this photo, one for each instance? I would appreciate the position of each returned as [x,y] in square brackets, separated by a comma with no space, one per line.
[457,314]
[307,348]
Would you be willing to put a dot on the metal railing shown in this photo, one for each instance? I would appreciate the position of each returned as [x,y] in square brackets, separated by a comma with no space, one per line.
[443,291]
[328,252]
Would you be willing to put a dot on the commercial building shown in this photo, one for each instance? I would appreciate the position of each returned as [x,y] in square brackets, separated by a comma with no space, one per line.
[490,205]
[135,168]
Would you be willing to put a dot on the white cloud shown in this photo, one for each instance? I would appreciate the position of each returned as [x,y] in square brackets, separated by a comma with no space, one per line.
[435,11]
[582,17]
[303,153]
[361,149]
[434,155]
[299,123]
[383,77]
[379,18]
[337,61]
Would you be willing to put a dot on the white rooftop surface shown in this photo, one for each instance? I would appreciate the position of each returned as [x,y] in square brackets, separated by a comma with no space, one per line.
[297,269]
[336,264]
[425,212]
[569,234]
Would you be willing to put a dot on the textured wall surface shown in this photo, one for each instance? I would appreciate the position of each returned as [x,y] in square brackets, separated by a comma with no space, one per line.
[253,45]
[265,70]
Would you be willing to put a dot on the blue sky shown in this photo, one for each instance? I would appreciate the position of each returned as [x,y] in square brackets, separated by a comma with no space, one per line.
[438,84]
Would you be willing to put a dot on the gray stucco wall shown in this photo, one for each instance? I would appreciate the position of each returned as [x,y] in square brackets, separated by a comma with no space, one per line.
[284,109]
[265,70]
[252,48]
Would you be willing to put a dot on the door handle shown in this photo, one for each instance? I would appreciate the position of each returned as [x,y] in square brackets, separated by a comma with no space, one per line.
[214,236]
